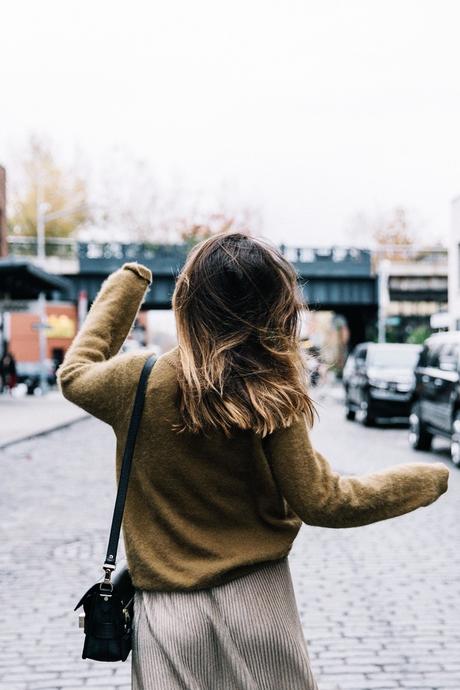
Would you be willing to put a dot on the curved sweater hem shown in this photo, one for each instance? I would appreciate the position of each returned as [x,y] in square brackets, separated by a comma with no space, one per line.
[214,580]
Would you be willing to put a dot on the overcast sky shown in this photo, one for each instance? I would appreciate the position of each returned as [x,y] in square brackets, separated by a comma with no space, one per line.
[308,110]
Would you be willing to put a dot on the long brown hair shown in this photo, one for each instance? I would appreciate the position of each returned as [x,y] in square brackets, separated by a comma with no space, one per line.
[237,307]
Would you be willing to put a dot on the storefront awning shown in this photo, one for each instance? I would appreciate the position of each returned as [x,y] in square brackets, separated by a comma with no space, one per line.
[21,279]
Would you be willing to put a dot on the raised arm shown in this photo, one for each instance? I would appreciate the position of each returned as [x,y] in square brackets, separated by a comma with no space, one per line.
[322,497]
[90,375]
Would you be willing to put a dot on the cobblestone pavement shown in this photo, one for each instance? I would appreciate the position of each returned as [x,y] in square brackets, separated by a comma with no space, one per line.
[379,604]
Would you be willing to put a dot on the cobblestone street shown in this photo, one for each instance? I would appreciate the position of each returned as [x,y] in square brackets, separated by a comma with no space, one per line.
[379,604]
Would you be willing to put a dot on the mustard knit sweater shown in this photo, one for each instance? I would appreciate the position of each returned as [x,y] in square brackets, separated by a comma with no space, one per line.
[201,511]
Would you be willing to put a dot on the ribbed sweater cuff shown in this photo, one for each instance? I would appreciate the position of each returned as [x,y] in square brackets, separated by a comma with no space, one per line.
[139,269]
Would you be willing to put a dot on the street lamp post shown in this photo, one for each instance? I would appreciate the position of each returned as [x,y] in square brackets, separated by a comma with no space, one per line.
[383,298]
[41,325]
[42,219]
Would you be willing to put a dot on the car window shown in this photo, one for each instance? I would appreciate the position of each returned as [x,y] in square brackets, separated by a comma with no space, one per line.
[448,357]
[361,355]
[423,359]
[432,359]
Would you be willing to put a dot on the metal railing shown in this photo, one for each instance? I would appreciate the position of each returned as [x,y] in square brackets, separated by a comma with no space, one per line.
[70,248]
[334,253]
[63,248]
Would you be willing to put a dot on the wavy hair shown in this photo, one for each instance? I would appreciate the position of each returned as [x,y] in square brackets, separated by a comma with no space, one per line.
[237,307]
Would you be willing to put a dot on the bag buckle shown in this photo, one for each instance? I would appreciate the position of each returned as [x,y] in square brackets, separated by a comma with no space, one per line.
[106,585]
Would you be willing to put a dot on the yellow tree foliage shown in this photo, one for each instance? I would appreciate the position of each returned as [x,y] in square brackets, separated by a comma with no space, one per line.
[392,234]
[43,181]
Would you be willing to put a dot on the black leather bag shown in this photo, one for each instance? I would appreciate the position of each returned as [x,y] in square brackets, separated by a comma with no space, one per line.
[109,605]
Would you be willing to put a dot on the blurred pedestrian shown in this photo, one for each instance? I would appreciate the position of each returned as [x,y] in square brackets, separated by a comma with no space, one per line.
[8,371]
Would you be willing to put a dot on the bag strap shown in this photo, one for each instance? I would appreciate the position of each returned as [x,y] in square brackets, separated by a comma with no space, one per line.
[110,559]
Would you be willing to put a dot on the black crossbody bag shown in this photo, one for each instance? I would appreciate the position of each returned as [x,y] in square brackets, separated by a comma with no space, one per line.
[109,605]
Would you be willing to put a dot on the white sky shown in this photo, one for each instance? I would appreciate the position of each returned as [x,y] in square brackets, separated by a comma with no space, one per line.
[308,110]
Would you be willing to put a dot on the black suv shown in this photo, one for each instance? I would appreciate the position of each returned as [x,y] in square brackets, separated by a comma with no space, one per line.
[436,406]
[379,380]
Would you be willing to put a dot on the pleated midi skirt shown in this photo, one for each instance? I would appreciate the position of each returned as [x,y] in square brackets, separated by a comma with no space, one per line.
[241,635]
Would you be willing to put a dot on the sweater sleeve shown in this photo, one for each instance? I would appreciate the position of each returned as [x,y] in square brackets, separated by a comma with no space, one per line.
[91,376]
[322,497]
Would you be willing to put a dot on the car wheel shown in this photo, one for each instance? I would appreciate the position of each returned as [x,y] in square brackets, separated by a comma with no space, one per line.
[455,441]
[349,413]
[364,416]
[419,437]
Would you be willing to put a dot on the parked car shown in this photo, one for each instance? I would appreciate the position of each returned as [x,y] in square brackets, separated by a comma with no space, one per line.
[379,380]
[29,374]
[436,405]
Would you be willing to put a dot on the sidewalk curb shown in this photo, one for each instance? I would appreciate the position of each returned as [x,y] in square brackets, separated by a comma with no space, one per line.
[43,432]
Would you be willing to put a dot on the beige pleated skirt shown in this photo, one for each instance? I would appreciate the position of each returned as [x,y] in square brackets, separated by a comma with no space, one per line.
[242,635]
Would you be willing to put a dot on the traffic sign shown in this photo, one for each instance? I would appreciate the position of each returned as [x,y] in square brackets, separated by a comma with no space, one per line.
[37,325]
